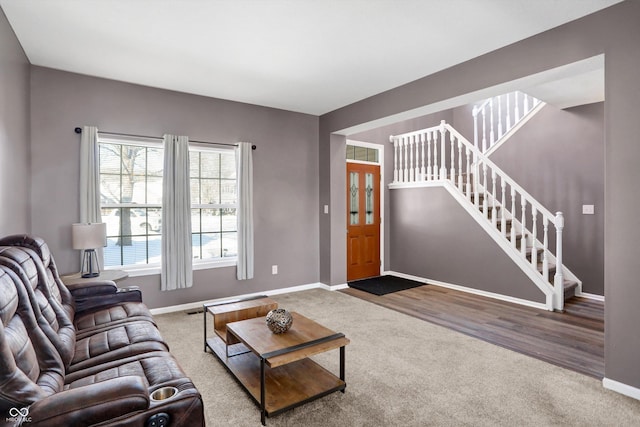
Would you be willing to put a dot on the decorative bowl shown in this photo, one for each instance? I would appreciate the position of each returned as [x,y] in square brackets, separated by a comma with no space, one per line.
[279,320]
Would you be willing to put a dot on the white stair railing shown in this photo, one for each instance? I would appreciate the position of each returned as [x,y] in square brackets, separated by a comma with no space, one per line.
[432,155]
[491,114]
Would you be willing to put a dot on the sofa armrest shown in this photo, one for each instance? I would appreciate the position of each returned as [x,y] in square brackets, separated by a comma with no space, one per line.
[88,289]
[94,302]
[91,404]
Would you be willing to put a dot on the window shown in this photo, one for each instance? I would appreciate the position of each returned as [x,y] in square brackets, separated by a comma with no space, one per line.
[131,201]
[213,203]
[364,154]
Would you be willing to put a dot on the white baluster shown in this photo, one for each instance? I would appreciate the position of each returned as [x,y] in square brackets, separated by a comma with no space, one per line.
[485,211]
[468,188]
[416,164]
[410,165]
[476,182]
[558,280]
[443,154]
[406,160]
[526,104]
[499,98]
[429,174]
[517,108]
[494,219]
[503,218]
[513,215]
[534,237]
[475,127]
[452,159]
[422,170]
[484,132]
[508,115]
[460,165]
[395,160]
[523,240]
[545,248]
[492,136]
[436,170]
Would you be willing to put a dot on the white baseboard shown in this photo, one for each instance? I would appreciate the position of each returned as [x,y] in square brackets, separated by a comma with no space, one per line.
[587,295]
[501,297]
[621,388]
[198,304]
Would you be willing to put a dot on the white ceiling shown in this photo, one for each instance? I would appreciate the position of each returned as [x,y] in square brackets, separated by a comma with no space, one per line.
[309,56]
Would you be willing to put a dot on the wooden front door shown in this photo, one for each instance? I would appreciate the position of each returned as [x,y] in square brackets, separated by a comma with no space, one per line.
[363,221]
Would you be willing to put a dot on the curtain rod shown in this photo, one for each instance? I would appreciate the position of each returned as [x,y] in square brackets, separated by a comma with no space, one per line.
[79,130]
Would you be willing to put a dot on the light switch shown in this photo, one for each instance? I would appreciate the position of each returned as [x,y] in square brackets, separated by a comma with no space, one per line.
[326,209]
[588,210]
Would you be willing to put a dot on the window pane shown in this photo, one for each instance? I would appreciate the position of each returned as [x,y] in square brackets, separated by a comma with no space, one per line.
[210,191]
[135,189]
[210,165]
[354,196]
[155,162]
[110,189]
[229,220]
[196,246]
[229,244]
[210,220]
[154,190]
[195,221]
[195,191]
[194,164]
[110,158]
[360,153]
[211,247]
[369,198]
[228,194]
[228,165]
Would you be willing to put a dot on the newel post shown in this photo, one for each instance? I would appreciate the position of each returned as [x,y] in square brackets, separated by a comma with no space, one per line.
[558,280]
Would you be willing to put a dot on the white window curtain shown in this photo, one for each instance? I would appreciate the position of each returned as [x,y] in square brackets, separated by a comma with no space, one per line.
[176,215]
[90,181]
[244,167]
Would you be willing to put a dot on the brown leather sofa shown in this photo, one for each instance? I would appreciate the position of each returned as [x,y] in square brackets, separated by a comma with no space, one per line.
[89,355]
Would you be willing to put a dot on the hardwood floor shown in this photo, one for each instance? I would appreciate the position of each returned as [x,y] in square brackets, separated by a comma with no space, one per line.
[573,339]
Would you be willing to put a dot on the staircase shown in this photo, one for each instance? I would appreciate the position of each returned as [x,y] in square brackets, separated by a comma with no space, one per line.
[516,221]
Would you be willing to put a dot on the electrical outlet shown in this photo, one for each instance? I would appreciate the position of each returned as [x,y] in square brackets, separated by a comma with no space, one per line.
[588,210]
[274,269]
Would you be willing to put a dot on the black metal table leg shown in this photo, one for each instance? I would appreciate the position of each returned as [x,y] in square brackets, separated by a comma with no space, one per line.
[262,394]
[205,328]
[342,365]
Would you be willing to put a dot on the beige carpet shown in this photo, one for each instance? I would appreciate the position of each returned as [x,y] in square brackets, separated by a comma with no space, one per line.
[401,371]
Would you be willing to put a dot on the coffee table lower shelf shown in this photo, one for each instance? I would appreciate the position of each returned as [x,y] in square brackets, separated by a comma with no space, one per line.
[286,386]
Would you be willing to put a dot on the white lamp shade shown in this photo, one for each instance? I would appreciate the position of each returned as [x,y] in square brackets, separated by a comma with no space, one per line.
[88,236]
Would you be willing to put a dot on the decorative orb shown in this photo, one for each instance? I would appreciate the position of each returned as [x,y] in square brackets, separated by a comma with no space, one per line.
[279,320]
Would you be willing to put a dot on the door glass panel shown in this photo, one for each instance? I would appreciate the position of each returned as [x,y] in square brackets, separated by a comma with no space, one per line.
[369,198]
[354,196]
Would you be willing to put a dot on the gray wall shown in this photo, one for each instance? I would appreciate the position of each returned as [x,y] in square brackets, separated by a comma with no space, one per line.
[423,221]
[14,133]
[613,31]
[285,172]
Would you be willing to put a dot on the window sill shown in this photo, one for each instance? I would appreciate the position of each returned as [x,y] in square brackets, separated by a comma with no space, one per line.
[150,270]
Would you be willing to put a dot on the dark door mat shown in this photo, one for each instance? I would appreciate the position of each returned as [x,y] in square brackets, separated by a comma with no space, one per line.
[383,285]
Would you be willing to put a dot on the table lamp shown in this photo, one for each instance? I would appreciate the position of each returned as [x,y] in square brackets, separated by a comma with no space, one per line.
[88,237]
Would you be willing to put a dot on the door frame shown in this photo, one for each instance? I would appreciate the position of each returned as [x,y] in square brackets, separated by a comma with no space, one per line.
[380,163]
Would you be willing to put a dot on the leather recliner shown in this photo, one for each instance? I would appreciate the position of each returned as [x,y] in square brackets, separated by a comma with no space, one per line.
[95,366]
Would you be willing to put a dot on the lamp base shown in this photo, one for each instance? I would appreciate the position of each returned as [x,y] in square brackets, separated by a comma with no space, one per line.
[90,267]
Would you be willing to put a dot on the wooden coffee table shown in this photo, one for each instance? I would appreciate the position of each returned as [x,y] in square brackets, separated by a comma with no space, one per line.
[275,369]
